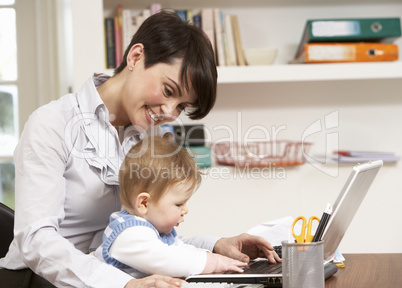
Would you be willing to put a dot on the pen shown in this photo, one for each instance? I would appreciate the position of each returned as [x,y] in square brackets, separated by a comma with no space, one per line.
[323,223]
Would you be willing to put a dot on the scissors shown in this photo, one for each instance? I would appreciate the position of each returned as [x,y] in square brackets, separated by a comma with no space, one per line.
[304,236]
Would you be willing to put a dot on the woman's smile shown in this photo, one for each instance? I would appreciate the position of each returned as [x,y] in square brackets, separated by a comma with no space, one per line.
[152,115]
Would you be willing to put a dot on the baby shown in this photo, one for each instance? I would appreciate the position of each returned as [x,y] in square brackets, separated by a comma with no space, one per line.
[156,179]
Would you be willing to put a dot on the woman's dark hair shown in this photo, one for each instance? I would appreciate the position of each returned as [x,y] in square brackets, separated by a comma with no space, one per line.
[167,37]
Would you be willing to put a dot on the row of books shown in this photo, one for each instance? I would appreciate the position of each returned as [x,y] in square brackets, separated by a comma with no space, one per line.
[224,34]
[120,29]
[222,30]
[349,40]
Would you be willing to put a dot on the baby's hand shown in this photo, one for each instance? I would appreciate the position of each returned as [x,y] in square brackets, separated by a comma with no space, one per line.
[217,263]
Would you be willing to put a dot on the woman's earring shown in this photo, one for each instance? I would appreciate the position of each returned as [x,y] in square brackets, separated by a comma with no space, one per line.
[130,68]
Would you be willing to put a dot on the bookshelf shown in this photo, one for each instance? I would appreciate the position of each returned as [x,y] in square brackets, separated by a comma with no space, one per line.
[292,97]
[254,16]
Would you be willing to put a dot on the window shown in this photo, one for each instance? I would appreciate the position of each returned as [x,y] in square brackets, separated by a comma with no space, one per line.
[28,39]
[8,100]
[8,120]
[8,44]
[7,177]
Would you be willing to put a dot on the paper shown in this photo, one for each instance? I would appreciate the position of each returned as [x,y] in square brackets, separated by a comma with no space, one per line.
[338,257]
[364,156]
[275,231]
[349,159]
[355,158]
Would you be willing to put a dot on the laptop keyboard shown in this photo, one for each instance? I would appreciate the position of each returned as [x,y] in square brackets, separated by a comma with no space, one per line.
[263,267]
[278,250]
[218,285]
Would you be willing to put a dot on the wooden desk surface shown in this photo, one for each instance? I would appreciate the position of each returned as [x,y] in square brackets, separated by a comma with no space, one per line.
[368,270]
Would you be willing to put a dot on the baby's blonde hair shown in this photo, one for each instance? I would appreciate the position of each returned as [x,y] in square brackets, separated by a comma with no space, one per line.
[153,165]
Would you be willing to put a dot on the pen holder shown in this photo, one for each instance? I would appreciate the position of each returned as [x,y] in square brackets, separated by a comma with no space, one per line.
[303,265]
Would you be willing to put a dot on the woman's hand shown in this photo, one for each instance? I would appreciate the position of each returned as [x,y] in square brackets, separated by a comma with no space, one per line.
[245,247]
[155,281]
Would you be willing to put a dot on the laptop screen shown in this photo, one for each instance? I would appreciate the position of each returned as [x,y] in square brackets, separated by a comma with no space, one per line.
[347,204]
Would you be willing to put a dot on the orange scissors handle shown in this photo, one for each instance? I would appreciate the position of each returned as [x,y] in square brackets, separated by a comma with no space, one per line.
[309,237]
[305,236]
[299,238]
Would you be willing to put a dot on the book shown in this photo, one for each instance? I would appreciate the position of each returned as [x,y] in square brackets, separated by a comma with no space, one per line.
[239,47]
[189,16]
[118,40]
[350,30]
[182,13]
[118,35]
[109,43]
[207,24]
[139,19]
[219,42]
[230,45]
[347,52]
[197,20]
[145,14]
[127,28]
[155,8]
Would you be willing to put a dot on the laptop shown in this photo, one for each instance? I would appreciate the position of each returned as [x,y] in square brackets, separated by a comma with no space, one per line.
[344,209]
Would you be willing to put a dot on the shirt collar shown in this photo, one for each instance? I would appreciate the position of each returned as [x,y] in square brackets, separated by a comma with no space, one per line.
[89,100]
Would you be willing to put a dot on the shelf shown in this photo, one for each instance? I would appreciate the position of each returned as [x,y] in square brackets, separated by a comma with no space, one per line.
[307,72]
[310,72]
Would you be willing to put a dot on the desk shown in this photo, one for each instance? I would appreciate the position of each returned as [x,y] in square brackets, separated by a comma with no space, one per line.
[368,270]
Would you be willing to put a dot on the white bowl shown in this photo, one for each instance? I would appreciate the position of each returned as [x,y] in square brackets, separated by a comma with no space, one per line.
[255,56]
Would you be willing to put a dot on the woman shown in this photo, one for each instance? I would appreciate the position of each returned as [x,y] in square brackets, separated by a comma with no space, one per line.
[70,151]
